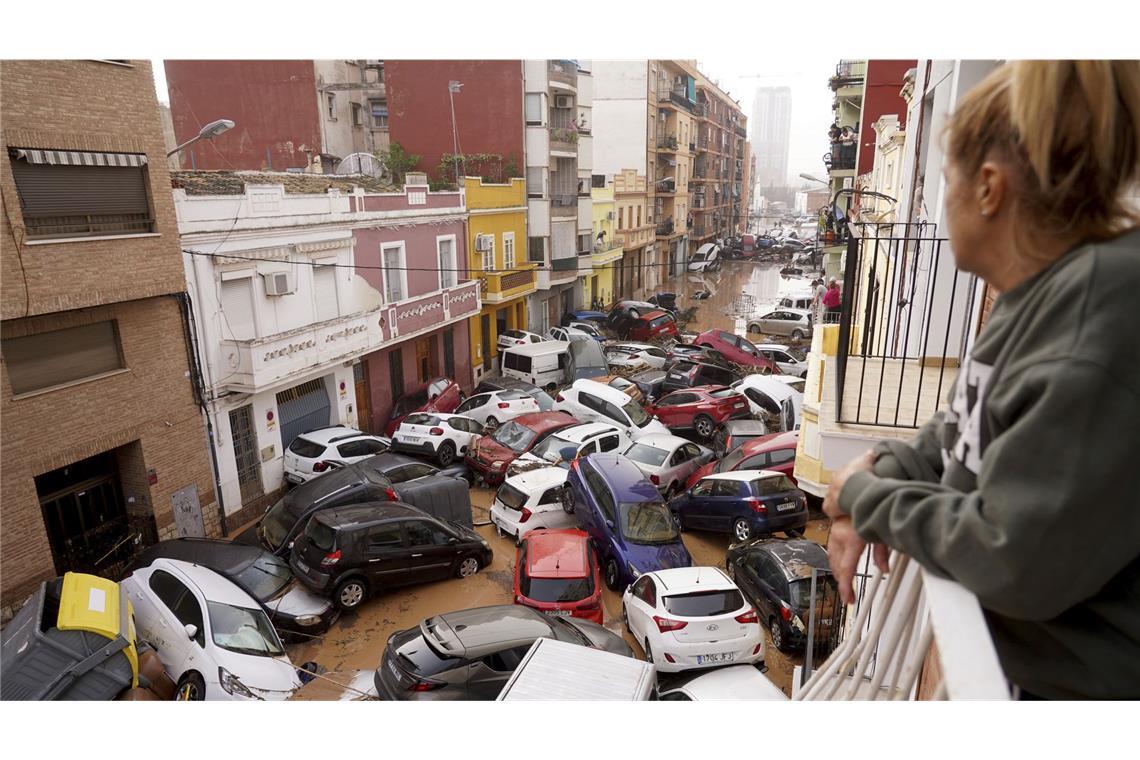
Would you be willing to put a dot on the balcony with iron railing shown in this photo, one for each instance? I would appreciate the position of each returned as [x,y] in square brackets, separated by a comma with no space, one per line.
[674,96]
[666,143]
[497,287]
[563,71]
[665,229]
[841,158]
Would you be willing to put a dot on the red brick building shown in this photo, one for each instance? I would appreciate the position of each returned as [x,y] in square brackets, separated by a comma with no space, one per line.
[103,436]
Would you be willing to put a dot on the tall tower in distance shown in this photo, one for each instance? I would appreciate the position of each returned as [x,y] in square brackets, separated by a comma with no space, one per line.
[771,128]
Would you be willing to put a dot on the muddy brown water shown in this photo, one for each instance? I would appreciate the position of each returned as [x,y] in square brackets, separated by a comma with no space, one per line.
[351,650]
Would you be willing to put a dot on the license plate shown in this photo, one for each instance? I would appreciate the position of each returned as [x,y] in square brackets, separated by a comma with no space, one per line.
[411,439]
[708,659]
[303,566]
[786,506]
[558,613]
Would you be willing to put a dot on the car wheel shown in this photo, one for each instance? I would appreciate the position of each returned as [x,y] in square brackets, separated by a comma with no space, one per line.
[754,329]
[777,632]
[191,688]
[350,593]
[648,652]
[468,566]
[704,426]
[794,533]
[491,423]
[611,573]
[741,530]
[797,335]
[446,453]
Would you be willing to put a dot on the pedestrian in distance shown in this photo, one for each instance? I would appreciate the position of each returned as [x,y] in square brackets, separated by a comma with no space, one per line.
[832,298]
[1037,519]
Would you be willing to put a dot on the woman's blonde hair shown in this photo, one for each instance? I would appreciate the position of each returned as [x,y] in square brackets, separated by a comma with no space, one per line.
[1070,130]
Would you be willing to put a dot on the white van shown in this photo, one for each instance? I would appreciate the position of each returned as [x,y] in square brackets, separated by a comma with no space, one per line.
[557,670]
[543,364]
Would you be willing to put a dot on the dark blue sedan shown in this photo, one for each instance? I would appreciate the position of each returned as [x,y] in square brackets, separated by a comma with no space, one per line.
[745,503]
[625,517]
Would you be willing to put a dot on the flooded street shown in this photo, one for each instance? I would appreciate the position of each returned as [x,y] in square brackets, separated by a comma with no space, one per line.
[352,649]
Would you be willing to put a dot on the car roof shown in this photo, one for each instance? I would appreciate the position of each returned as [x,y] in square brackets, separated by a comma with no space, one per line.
[327,435]
[213,586]
[539,349]
[389,460]
[367,513]
[706,247]
[682,580]
[483,630]
[539,478]
[663,441]
[606,392]
[557,554]
[543,421]
[582,431]
[226,557]
[732,682]
[743,475]
[766,384]
[743,427]
[651,315]
[776,346]
[797,555]
[624,477]
[771,442]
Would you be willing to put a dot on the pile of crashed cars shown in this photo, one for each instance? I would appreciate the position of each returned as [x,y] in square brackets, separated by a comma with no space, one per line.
[596,479]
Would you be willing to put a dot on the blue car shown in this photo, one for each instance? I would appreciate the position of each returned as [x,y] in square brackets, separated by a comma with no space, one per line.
[625,517]
[745,503]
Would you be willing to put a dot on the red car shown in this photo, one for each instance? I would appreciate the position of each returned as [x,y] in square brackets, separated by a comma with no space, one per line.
[735,349]
[654,324]
[770,452]
[701,408]
[490,455]
[440,395]
[557,573]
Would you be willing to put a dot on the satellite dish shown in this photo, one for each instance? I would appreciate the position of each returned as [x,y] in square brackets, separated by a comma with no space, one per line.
[362,163]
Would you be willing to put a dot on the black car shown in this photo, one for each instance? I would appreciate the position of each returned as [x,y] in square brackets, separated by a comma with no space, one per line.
[400,468]
[685,351]
[489,384]
[690,374]
[733,433]
[775,575]
[471,654]
[352,551]
[650,382]
[264,576]
[625,313]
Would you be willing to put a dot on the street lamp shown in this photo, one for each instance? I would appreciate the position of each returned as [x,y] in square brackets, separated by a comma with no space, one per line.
[208,132]
[804,175]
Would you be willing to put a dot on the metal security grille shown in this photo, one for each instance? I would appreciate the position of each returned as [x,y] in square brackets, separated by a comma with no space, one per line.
[245,453]
[302,408]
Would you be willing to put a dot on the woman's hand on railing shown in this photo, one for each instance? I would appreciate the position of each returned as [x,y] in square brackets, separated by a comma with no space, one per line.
[844,546]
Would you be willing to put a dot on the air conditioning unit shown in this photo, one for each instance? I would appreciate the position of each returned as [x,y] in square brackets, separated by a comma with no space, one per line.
[563,101]
[279,283]
[484,242]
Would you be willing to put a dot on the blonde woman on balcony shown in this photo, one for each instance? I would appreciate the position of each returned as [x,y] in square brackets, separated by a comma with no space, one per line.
[1026,490]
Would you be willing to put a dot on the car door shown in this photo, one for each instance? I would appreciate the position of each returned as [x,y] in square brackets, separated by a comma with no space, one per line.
[726,343]
[726,504]
[174,607]
[781,460]
[696,508]
[466,431]
[768,578]
[768,323]
[746,576]
[385,555]
[687,461]
[431,551]
[475,407]
[641,607]
[673,410]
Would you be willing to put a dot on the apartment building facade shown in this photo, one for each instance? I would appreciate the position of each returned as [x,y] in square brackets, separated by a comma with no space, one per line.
[299,115]
[607,245]
[636,271]
[103,439]
[720,197]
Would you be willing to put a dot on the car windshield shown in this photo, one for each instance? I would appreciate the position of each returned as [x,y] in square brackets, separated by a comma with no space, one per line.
[511,497]
[556,589]
[636,413]
[770,486]
[277,523]
[647,522]
[421,419]
[561,448]
[649,455]
[660,321]
[704,603]
[266,577]
[724,393]
[410,402]
[514,436]
[243,630]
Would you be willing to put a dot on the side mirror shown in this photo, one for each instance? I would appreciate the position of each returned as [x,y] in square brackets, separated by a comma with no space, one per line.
[191,630]
[610,524]
[453,540]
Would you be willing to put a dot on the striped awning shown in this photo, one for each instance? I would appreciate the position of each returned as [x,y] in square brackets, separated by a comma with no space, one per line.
[79,157]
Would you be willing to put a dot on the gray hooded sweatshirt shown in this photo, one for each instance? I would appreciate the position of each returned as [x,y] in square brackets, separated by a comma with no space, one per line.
[1026,490]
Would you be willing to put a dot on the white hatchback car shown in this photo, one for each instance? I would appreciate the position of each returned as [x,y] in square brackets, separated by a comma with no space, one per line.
[588,401]
[692,617]
[213,638]
[733,682]
[508,338]
[767,395]
[496,407]
[635,355]
[568,334]
[319,451]
[791,361]
[565,445]
[443,437]
[531,500]
[668,461]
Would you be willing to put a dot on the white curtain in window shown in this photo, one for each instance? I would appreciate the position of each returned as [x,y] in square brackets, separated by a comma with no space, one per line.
[447,274]
[508,251]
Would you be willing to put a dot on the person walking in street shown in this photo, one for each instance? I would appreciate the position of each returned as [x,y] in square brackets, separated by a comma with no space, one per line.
[831,300]
[817,294]
[1037,518]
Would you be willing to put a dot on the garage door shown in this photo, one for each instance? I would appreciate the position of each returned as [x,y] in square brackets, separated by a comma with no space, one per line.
[302,408]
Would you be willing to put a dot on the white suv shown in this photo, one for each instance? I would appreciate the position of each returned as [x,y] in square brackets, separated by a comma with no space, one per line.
[440,436]
[692,617]
[588,401]
[496,407]
[318,451]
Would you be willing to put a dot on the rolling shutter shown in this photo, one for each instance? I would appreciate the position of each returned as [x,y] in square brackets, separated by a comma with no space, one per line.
[302,408]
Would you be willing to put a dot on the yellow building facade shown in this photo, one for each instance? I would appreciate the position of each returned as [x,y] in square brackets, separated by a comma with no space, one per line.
[607,248]
[496,246]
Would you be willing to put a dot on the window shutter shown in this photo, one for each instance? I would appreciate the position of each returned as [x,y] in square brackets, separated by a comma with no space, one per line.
[237,310]
[45,360]
[60,200]
[324,290]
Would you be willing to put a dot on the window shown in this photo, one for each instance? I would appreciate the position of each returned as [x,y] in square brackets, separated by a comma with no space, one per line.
[395,287]
[101,194]
[423,533]
[330,100]
[534,181]
[646,590]
[536,249]
[730,488]
[781,456]
[597,180]
[362,448]
[59,357]
[488,262]
[639,216]
[180,601]
[507,660]
[384,537]
[704,488]
[534,109]
[772,485]
[508,251]
[448,275]
[584,243]
[621,218]
[357,115]
[608,443]
[379,110]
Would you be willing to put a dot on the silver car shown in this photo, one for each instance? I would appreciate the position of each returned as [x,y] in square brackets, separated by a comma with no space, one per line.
[470,654]
[795,323]
[668,460]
